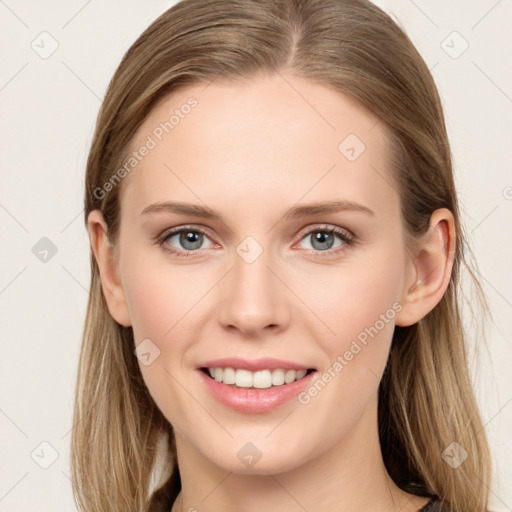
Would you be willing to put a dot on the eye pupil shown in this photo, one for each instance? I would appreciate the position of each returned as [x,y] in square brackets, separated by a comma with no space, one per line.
[323,238]
[190,237]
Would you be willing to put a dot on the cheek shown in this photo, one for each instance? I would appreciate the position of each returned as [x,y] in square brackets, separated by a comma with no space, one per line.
[150,300]
[352,299]
[359,306]
[160,304]
[158,295]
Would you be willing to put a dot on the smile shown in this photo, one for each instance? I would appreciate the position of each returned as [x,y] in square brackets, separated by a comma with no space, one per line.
[261,379]
[257,386]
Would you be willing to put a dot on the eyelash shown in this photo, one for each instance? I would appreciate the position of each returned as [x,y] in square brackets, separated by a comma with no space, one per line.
[346,237]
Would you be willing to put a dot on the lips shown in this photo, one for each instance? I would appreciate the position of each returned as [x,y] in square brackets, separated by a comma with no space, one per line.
[254,386]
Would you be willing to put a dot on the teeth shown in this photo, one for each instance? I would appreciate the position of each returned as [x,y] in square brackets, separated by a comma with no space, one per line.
[300,374]
[289,376]
[278,377]
[243,378]
[229,376]
[261,379]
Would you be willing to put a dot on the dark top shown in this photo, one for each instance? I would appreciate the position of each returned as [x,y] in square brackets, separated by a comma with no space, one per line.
[432,506]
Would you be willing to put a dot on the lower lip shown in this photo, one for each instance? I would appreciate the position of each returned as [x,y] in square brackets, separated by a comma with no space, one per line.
[255,400]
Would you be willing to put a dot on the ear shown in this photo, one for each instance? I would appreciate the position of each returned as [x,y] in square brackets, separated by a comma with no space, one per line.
[430,269]
[108,267]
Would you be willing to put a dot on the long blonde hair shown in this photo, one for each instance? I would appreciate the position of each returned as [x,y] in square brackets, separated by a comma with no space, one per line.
[426,400]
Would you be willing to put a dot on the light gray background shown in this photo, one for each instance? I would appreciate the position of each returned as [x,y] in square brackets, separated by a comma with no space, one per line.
[49,108]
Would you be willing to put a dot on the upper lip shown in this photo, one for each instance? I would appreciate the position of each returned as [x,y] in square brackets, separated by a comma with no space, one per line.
[266,363]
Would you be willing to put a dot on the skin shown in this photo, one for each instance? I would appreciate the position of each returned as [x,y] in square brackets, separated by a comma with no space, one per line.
[250,151]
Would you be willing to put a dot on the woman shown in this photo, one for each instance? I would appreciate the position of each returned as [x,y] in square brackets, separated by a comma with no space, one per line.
[276,249]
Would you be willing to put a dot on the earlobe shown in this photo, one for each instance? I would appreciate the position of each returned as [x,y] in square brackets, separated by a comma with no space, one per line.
[431,269]
[108,267]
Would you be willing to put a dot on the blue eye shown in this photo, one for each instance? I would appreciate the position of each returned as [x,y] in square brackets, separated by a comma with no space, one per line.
[191,239]
[323,240]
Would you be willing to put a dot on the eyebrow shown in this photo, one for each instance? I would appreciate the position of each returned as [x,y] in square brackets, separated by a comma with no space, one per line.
[205,212]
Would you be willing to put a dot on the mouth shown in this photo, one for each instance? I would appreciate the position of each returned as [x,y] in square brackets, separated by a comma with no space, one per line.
[254,385]
[260,379]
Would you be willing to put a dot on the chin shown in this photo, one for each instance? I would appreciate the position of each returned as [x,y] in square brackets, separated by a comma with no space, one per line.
[258,457]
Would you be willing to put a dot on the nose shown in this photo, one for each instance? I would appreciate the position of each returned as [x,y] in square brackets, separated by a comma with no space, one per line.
[253,298]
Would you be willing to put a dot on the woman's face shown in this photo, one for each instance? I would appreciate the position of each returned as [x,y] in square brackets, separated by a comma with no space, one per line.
[256,282]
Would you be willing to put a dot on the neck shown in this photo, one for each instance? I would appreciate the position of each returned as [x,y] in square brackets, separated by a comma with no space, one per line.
[349,476]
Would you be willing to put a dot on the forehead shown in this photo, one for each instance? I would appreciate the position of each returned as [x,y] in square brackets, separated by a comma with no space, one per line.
[278,135]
